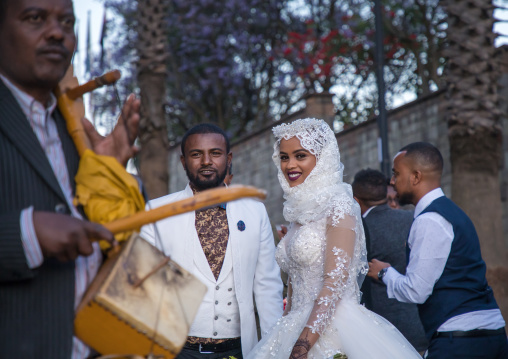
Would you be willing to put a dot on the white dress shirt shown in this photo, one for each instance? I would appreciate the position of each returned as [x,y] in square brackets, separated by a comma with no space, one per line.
[368,211]
[44,127]
[430,240]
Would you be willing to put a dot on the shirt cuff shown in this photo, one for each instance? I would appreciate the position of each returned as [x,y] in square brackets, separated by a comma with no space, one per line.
[33,252]
[389,278]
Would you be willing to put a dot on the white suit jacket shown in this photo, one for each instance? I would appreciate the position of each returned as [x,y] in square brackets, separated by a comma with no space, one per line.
[255,270]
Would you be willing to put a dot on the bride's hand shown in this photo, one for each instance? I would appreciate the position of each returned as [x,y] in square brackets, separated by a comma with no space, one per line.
[300,349]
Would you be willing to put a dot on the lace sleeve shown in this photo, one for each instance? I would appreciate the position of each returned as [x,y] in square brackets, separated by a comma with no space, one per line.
[340,246]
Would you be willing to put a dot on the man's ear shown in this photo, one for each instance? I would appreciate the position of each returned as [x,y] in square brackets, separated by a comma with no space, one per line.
[416,177]
[229,158]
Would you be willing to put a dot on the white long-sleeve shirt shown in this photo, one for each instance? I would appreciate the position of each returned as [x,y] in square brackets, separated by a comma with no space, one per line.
[430,240]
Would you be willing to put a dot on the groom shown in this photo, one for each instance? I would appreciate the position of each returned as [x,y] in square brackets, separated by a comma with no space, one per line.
[229,247]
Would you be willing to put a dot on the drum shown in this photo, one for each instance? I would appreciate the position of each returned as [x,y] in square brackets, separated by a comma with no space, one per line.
[140,303]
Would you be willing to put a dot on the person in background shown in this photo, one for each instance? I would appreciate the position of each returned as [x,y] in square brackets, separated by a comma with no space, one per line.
[391,196]
[386,232]
[445,275]
[47,258]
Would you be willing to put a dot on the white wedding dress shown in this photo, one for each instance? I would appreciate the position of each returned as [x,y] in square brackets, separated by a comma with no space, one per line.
[324,255]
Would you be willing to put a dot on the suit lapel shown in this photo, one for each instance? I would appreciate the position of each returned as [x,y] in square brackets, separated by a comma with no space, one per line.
[69,149]
[16,127]
[233,211]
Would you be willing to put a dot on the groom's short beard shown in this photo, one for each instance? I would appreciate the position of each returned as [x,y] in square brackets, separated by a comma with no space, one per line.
[213,182]
[405,198]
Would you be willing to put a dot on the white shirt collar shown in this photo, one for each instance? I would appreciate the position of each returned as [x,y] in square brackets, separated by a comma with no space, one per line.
[427,199]
[368,211]
[28,104]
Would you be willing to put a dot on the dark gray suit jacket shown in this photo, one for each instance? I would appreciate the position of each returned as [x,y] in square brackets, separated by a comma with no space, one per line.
[36,306]
[388,230]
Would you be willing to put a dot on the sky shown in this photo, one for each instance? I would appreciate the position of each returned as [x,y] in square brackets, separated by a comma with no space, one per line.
[81,10]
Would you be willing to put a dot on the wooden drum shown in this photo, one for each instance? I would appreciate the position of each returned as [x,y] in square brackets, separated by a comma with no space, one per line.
[138,304]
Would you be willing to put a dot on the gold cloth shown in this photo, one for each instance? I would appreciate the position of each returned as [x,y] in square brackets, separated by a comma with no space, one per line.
[106,191]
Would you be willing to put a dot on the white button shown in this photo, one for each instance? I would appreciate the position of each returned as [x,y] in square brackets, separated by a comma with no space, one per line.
[217,287]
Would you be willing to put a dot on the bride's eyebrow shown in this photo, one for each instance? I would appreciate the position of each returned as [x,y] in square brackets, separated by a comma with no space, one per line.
[301,150]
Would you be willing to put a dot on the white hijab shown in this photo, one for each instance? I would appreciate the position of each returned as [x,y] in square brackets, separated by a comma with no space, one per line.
[322,193]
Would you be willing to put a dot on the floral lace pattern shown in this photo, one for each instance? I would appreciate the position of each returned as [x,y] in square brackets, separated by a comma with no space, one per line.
[336,283]
[323,200]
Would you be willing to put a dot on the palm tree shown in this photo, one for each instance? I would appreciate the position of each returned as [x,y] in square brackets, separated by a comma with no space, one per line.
[474,129]
[151,76]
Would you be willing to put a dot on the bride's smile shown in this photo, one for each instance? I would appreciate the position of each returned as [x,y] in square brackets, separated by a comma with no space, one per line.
[295,161]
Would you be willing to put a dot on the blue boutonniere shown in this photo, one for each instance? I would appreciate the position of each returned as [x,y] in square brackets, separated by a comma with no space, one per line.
[241,226]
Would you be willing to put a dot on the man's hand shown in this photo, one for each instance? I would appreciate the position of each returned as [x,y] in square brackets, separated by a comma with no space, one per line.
[282,232]
[65,237]
[375,266]
[120,142]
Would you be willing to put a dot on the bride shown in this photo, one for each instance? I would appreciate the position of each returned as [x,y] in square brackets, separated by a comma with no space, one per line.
[324,255]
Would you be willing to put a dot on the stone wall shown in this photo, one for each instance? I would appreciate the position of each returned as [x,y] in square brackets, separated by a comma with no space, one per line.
[252,155]
[420,120]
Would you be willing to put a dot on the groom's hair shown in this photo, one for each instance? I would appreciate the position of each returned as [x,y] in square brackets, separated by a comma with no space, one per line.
[370,186]
[204,128]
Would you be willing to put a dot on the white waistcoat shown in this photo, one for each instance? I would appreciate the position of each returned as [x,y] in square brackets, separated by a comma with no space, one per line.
[219,315]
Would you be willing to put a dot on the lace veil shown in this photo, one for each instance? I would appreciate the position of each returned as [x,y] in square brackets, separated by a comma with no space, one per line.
[323,193]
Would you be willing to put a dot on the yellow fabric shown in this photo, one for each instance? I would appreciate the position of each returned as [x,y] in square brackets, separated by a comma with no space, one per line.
[106,191]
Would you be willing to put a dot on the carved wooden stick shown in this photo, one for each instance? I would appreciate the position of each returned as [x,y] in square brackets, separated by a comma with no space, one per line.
[203,199]
[108,78]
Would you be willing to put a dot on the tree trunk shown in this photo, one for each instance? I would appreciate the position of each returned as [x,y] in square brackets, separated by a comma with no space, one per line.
[474,131]
[151,68]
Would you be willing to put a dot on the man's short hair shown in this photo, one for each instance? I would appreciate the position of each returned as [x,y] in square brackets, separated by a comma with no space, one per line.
[425,154]
[370,185]
[204,128]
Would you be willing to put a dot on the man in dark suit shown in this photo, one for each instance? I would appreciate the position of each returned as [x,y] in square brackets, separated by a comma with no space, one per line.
[46,255]
[386,233]
[445,275]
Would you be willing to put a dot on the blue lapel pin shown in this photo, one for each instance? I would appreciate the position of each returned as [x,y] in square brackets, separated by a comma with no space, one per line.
[241,226]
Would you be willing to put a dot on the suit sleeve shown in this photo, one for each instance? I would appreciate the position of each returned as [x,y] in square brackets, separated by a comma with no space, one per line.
[267,281]
[13,264]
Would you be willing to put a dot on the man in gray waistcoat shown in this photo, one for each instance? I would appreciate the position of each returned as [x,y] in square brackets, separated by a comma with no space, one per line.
[386,232]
